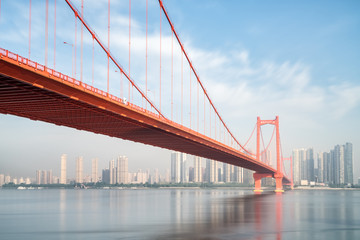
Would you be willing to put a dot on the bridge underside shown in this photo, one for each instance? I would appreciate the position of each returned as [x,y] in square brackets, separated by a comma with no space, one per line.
[36,95]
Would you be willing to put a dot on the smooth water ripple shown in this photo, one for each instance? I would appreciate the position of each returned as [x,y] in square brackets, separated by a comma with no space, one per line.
[179,214]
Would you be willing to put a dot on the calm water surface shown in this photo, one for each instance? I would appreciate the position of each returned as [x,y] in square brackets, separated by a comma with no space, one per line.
[178,214]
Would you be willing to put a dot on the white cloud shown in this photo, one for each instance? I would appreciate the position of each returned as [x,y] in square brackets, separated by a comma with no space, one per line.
[343,98]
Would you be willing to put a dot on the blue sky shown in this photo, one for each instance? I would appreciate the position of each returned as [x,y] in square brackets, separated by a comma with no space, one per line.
[298,60]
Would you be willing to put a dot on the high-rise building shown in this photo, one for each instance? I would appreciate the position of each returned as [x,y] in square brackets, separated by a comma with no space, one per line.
[79,170]
[27,181]
[227,172]
[122,170]
[167,176]
[197,169]
[112,170]
[156,178]
[106,176]
[7,179]
[2,179]
[248,176]
[303,165]
[341,161]
[326,170]
[94,170]
[296,166]
[238,174]
[44,177]
[177,167]
[300,165]
[191,174]
[338,164]
[219,174]
[348,162]
[49,177]
[310,164]
[321,169]
[232,173]
[21,180]
[55,180]
[184,170]
[63,169]
[212,171]
[334,167]
[117,170]
[38,177]
[139,177]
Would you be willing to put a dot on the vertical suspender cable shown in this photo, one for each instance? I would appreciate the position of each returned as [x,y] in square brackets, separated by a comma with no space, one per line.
[75,44]
[130,50]
[121,86]
[215,125]
[197,85]
[204,115]
[29,29]
[182,86]
[54,33]
[82,26]
[108,70]
[146,54]
[93,40]
[190,96]
[46,31]
[160,62]
[172,72]
[219,131]
[129,42]
[210,119]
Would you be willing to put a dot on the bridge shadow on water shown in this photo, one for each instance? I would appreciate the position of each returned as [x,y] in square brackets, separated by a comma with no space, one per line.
[250,216]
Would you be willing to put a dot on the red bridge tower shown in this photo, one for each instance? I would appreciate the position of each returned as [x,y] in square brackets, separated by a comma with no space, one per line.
[278,175]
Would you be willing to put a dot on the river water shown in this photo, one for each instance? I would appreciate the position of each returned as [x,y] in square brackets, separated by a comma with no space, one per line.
[179,214]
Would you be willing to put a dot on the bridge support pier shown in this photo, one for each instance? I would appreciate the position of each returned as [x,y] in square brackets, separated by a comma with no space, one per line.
[257,180]
[278,178]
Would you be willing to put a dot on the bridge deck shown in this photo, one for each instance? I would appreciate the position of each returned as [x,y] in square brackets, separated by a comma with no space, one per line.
[33,91]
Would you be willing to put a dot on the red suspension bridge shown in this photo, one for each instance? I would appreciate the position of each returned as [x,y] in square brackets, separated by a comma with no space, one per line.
[110,99]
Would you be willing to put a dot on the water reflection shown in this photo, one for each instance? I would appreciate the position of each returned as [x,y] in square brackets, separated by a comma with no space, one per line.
[62,209]
[179,214]
[213,215]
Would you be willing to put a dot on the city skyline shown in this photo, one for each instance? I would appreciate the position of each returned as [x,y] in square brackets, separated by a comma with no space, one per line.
[306,74]
[332,167]
[309,167]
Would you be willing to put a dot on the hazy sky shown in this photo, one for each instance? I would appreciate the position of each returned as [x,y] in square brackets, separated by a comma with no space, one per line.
[295,59]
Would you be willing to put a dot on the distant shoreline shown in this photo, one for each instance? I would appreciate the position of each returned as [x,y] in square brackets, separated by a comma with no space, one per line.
[301,188]
[325,188]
